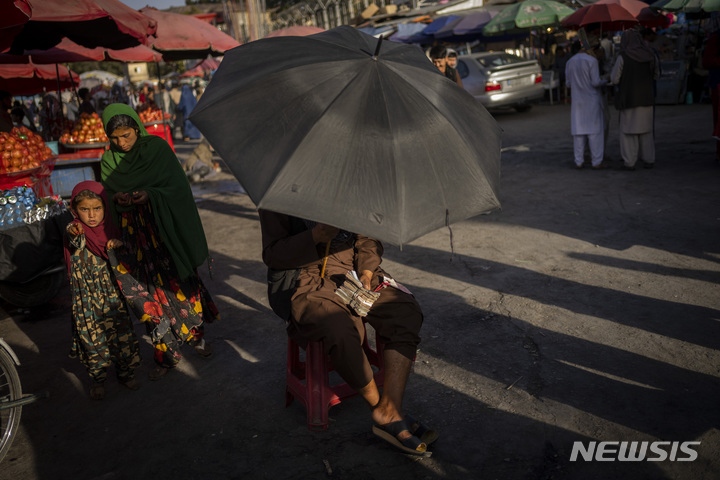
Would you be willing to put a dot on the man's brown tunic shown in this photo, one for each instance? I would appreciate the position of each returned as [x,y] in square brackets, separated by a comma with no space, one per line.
[319,314]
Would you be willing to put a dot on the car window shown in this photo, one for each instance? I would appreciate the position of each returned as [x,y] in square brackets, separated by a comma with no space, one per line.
[462,69]
[498,60]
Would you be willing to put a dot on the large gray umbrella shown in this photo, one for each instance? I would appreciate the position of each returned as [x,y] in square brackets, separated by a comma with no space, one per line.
[329,128]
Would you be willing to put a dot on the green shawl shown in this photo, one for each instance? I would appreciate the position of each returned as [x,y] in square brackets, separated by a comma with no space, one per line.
[152,166]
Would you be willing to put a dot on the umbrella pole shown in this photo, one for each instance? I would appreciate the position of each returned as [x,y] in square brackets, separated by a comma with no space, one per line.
[72,82]
[59,90]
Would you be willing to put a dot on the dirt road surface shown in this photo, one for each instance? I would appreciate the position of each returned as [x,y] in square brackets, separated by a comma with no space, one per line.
[587,310]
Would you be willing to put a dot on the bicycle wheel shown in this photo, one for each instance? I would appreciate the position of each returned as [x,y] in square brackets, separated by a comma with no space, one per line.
[9,390]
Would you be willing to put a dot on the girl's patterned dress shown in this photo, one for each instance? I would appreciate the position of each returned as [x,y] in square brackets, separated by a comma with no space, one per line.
[103,333]
[174,310]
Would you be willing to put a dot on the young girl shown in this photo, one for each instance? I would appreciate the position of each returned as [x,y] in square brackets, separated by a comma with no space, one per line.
[103,333]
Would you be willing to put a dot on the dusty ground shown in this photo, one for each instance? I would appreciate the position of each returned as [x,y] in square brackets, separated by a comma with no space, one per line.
[586,310]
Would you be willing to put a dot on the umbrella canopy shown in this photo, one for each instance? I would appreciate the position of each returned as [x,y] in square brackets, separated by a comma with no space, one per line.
[183,37]
[14,13]
[427,35]
[688,6]
[380,143]
[641,11]
[467,28]
[527,15]
[295,31]
[69,51]
[30,79]
[90,23]
[101,76]
[610,16]
[406,30]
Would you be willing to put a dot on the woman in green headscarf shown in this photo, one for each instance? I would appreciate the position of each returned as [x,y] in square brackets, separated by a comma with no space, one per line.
[151,200]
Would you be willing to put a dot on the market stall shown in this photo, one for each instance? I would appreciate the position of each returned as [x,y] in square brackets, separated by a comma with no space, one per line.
[156,122]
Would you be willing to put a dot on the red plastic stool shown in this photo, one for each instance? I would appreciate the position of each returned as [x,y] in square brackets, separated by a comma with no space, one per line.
[309,380]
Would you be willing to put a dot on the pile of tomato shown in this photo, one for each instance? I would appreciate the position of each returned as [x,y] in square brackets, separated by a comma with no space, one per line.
[21,149]
[149,113]
[87,129]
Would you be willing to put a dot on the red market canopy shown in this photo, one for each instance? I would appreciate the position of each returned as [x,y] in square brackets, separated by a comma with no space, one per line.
[30,79]
[69,51]
[183,37]
[90,23]
[14,13]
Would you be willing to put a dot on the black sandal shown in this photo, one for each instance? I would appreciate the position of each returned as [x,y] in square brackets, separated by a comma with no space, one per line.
[424,433]
[411,445]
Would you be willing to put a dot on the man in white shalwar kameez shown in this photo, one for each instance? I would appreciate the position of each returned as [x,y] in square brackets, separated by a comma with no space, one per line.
[582,75]
[634,71]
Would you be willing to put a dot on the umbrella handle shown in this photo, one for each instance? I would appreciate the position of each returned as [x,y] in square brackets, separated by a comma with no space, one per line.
[327,251]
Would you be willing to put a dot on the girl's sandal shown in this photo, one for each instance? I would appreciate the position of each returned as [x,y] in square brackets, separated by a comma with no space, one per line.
[132,384]
[203,349]
[157,373]
[97,391]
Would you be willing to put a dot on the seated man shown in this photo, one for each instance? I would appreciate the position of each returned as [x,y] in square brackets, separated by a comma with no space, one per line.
[316,313]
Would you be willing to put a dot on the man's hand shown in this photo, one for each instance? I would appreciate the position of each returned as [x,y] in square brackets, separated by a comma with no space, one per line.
[122,199]
[113,243]
[322,233]
[366,278]
[140,198]
[75,229]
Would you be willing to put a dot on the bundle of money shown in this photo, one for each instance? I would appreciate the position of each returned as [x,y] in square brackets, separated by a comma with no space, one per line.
[355,295]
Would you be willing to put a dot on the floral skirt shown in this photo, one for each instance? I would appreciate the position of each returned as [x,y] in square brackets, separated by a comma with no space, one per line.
[174,310]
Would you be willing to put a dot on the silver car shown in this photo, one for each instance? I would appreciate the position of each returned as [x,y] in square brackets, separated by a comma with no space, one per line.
[499,79]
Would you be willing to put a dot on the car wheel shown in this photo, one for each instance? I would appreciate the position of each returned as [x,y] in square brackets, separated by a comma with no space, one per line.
[523,108]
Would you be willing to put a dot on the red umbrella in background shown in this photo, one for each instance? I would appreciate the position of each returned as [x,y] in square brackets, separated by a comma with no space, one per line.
[610,17]
[295,31]
[641,11]
[90,23]
[14,13]
[199,70]
[183,37]
[29,79]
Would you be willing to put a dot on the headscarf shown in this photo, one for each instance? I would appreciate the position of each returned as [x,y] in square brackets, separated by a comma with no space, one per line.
[633,45]
[96,238]
[152,166]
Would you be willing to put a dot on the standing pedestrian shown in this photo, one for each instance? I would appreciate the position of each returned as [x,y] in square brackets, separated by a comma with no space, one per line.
[103,333]
[152,201]
[582,74]
[186,105]
[438,55]
[634,73]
